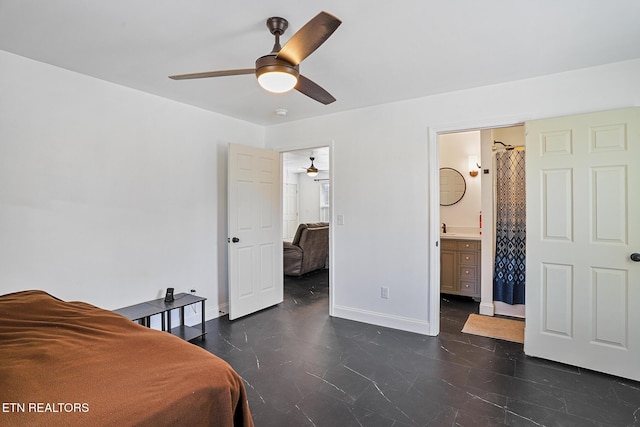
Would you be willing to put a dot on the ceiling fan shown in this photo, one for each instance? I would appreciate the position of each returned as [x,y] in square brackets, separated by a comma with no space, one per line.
[279,71]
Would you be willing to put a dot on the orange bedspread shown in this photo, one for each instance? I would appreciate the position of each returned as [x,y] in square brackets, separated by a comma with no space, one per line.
[71,363]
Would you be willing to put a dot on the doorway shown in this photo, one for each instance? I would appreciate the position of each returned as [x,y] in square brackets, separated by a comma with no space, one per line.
[578,314]
[467,223]
[306,211]
[305,197]
[255,233]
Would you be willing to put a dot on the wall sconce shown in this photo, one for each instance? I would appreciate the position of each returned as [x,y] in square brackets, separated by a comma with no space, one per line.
[473,165]
[312,170]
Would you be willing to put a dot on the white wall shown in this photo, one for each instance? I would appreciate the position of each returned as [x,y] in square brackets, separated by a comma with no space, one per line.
[107,194]
[513,135]
[309,192]
[308,196]
[455,149]
[385,239]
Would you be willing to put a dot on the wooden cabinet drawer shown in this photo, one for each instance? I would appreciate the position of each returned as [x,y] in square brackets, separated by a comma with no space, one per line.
[469,288]
[468,245]
[468,258]
[467,273]
[446,244]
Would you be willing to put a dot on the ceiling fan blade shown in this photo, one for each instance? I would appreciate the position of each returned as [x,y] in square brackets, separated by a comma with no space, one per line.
[309,38]
[313,91]
[206,74]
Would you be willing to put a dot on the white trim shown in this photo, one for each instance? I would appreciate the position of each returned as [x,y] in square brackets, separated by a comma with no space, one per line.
[504,309]
[487,309]
[433,151]
[192,318]
[383,319]
[332,230]
[488,208]
[223,309]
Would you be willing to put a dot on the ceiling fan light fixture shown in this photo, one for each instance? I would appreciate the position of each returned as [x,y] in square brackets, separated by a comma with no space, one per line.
[312,170]
[276,75]
[279,71]
[277,81]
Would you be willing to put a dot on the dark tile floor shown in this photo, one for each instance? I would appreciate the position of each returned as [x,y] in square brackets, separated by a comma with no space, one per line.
[304,368]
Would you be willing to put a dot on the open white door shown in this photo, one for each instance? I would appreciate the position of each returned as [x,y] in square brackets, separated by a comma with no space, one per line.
[583,224]
[255,242]
[289,211]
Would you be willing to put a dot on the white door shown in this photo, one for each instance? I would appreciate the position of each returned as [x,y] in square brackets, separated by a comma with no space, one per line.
[290,211]
[583,223]
[255,242]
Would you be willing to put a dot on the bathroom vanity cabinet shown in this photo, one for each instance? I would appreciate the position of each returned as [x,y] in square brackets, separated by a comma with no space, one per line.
[460,267]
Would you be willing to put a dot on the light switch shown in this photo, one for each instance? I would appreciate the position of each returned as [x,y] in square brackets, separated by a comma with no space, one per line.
[340,219]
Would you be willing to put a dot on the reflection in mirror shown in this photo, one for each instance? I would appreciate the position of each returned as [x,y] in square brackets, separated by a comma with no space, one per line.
[452,186]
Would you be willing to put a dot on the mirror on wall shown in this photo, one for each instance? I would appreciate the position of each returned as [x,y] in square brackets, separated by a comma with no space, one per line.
[452,186]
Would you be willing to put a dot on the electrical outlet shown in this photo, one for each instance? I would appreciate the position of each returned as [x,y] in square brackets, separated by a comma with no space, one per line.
[384,292]
[193,291]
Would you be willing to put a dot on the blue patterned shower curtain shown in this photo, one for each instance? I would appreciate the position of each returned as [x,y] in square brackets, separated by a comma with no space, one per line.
[509,268]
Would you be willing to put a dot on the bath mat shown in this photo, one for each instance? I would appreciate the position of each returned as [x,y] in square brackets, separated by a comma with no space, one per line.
[495,327]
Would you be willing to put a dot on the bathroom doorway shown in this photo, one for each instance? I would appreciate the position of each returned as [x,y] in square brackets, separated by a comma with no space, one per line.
[468,225]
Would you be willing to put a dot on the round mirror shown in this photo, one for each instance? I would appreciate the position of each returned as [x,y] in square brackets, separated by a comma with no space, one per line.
[452,186]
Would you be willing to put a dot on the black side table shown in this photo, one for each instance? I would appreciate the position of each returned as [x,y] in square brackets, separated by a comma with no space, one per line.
[142,313]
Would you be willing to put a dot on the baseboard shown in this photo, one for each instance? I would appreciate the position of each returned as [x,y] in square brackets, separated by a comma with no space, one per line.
[503,309]
[223,310]
[487,309]
[192,315]
[382,319]
[211,313]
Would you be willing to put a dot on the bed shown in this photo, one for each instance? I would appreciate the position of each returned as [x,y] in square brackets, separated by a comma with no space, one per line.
[71,363]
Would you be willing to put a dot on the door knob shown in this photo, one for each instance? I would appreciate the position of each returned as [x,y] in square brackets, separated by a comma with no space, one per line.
[235,240]
[635,257]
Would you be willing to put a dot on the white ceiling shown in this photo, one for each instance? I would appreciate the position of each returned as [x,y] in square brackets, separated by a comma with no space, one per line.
[298,161]
[383,52]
